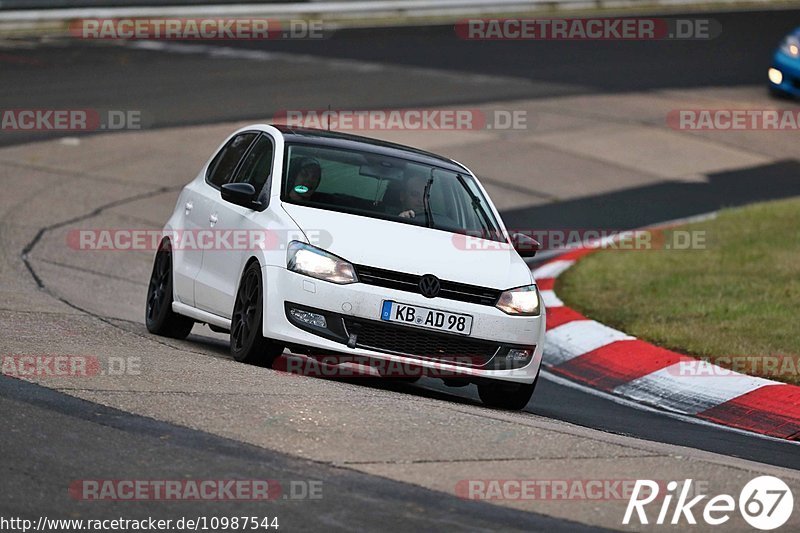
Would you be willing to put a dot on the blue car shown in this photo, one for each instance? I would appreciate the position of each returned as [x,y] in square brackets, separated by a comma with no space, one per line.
[784,75]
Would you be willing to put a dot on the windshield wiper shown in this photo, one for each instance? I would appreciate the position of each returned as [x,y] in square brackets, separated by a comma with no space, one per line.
[477,205]
[426,201]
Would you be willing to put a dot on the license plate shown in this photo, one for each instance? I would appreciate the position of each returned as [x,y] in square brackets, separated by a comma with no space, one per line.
[426,318]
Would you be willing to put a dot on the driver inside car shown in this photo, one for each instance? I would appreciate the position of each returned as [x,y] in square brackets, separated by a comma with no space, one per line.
[412,198]
[305,175]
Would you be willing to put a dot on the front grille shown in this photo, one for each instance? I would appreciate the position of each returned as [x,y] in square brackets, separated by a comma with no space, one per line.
[410,282]
[405,340]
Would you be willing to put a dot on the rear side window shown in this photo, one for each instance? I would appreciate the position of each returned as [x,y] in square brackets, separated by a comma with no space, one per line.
[257,165]
[221,169]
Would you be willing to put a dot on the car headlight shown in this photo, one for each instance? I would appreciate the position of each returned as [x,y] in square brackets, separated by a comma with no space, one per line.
[523,301]
[791,46]
[312,261]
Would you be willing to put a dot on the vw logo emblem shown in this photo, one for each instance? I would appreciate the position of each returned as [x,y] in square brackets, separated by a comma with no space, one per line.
[429,286]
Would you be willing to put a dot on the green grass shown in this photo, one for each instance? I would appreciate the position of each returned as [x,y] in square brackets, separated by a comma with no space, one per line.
[739,296]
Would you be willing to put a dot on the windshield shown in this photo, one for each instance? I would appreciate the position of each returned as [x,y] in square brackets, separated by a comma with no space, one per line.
[388,188]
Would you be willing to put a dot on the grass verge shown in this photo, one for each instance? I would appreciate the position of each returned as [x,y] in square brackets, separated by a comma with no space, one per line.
[734,301]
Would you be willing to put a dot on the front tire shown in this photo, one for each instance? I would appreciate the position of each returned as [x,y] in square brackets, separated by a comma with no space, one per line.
[159,316]
[248,344]
[510,396]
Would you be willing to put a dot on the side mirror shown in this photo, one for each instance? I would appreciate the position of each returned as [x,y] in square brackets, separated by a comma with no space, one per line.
[243,194]
[524,245]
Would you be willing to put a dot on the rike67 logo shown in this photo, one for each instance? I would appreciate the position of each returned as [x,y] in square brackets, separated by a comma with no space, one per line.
[765,503]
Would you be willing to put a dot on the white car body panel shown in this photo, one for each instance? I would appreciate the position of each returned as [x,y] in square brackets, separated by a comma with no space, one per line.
[205,282]
[393,246]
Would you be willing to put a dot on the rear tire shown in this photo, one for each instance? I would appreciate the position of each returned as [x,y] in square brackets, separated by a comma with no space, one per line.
[248,344]
[158,315]
[503,395]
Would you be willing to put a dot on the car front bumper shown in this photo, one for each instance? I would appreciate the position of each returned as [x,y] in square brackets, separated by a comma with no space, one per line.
[360,304]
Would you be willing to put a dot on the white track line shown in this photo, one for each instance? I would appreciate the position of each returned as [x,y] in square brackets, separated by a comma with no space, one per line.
[576,338]
[552,269]
[672,389]
[356,65]
[550,299]
[558,380]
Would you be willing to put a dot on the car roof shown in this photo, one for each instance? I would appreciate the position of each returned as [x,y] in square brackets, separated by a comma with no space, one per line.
[336,139]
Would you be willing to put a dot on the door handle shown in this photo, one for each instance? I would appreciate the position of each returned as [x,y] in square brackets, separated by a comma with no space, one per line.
[189,206]
[213,219]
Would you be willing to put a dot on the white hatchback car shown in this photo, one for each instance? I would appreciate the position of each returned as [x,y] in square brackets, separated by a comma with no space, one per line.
[326,243]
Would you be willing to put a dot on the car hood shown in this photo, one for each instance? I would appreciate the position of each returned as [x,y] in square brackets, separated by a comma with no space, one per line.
[411,249]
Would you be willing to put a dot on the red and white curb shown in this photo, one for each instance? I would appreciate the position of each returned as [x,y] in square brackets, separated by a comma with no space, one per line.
[595,355]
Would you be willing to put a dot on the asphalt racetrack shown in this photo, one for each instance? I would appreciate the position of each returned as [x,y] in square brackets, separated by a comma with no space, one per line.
[389,456]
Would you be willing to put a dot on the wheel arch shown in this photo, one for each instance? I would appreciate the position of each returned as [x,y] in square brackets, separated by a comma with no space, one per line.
[245,265]
[165,245]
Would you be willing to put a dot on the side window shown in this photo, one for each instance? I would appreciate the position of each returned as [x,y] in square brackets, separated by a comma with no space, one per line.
[221,169]
[257,165]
